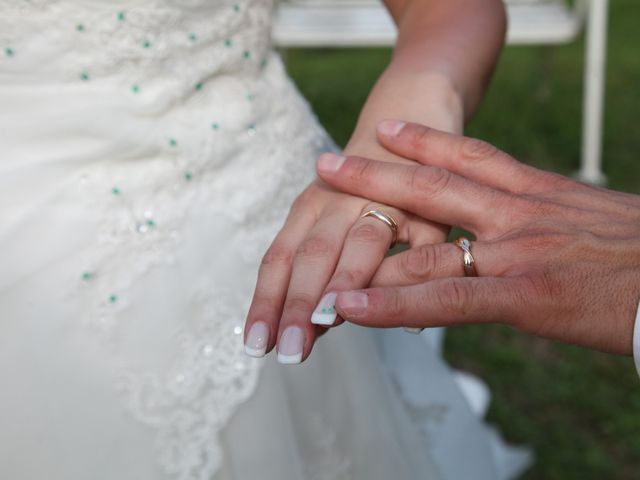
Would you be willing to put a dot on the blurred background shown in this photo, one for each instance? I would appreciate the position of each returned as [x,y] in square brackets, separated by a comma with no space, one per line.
[579,410]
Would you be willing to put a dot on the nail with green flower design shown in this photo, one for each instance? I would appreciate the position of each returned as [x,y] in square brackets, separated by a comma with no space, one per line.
[325,312]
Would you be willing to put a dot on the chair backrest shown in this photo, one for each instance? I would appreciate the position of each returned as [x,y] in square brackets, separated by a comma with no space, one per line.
[352,23]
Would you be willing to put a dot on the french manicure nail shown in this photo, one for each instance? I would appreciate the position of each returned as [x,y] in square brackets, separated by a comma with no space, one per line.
[330,162]
[325,312]
[353,303]
[257,338]
[390,128]
[290,346]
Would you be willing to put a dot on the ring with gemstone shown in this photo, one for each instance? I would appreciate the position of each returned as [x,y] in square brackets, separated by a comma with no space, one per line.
[469,262]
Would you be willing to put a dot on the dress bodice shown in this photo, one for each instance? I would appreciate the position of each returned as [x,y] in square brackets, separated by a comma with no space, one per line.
[143,42]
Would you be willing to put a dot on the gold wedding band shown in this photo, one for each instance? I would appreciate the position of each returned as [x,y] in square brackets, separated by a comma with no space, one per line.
[469,262]
[387,220]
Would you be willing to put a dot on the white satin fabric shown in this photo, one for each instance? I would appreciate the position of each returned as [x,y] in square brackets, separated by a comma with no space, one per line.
[149,152]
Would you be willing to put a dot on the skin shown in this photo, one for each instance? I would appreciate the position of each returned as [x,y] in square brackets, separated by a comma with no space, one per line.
[443,59]
[556,258]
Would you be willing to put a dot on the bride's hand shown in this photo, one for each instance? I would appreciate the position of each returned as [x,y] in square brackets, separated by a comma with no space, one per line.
[324,247]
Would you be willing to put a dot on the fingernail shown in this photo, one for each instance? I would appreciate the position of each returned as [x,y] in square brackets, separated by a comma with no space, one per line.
[413,330]
[353,303]
[290,346]
[390,128]
[257,338]
[330,162]
[325,312]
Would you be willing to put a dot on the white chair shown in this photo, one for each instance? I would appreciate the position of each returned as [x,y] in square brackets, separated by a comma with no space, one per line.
[365,23]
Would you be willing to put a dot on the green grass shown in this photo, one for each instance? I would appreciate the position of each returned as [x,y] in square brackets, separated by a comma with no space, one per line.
[579,410]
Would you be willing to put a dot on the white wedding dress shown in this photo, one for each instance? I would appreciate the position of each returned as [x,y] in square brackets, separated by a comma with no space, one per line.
[149,150]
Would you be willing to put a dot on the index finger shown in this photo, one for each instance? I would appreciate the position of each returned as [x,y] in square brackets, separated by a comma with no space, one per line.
[472,158]
[430,192]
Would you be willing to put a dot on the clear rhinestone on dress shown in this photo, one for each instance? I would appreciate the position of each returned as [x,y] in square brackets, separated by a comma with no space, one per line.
[207,350]
[237,330]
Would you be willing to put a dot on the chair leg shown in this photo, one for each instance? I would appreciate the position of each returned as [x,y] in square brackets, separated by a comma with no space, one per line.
[593,96]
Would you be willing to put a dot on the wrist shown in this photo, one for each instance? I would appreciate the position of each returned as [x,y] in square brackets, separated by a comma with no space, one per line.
[425,97]
[431,97]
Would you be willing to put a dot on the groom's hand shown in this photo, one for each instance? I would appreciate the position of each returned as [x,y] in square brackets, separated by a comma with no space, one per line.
[555,257]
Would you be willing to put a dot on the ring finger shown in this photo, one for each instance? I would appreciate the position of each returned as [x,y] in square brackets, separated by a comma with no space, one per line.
[432,261]
[365,246]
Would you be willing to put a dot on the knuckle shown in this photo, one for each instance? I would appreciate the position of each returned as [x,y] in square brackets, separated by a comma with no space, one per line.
[278,255]
[362,172]
[345,278]
[396,306]
[541,285]
[263,306]
[455,297]
[368,233]
[314,247]
[473,149]
[418,264]
[557,182]
[429,181]
[420,137]
[539,289]
[300,303]
[302,201]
